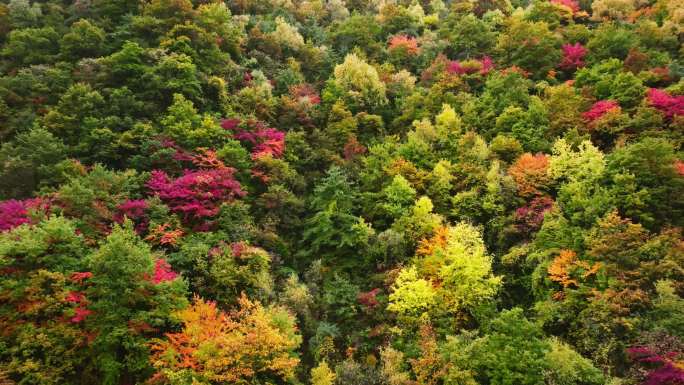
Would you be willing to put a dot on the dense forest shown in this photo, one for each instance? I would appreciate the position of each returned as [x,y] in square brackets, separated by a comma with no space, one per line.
[341,192]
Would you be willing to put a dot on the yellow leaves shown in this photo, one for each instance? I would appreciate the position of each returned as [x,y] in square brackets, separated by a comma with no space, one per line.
[229,347]
[360,82]
[587,163]
[322,375]
[411,295]
[590,270]
[452,270]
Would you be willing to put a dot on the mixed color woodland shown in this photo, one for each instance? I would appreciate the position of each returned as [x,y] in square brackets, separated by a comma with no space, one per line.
[341,192]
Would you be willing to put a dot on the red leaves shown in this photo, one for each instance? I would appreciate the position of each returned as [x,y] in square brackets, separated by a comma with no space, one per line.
[132,209]
[230,124]
[368,299]
[599,109]
[238,248]
[196,194]
[353,148]
[80,314]
[207,159]
[679,167]
[269,142]
[79,277]
[667,104]
[75,297]
[264,140]
[164,235]
[163,272]
[487,65]
[573,56]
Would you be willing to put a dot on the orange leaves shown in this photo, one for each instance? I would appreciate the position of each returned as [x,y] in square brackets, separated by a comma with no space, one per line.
[353,148]
[679,166]
[427,246]
[163,235]
[566,267]
[206,158]
[530,174]
[429,367]
[229,347]
[407,43]
[558,270]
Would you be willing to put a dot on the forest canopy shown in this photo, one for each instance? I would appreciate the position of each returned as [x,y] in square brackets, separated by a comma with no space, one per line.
[341,192]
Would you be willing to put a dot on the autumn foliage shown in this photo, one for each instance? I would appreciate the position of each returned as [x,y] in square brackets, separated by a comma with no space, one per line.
[599,109]
[566,269]
[530,174]
[403,42]
[13,213]
[573,56]
[196,194]
[669,105]
[233,347]
[341,192]
[571,4]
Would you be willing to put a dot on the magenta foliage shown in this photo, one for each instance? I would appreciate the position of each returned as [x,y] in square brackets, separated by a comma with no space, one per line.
[669,105]
[163,272]
[487,65]
[196,194]
[230,124]
[573,56]
[664,371]
[599,109]
[180,154]
[14,213]
[264,140]
[456,67]
[270,142]
[530,217]
[133,209]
